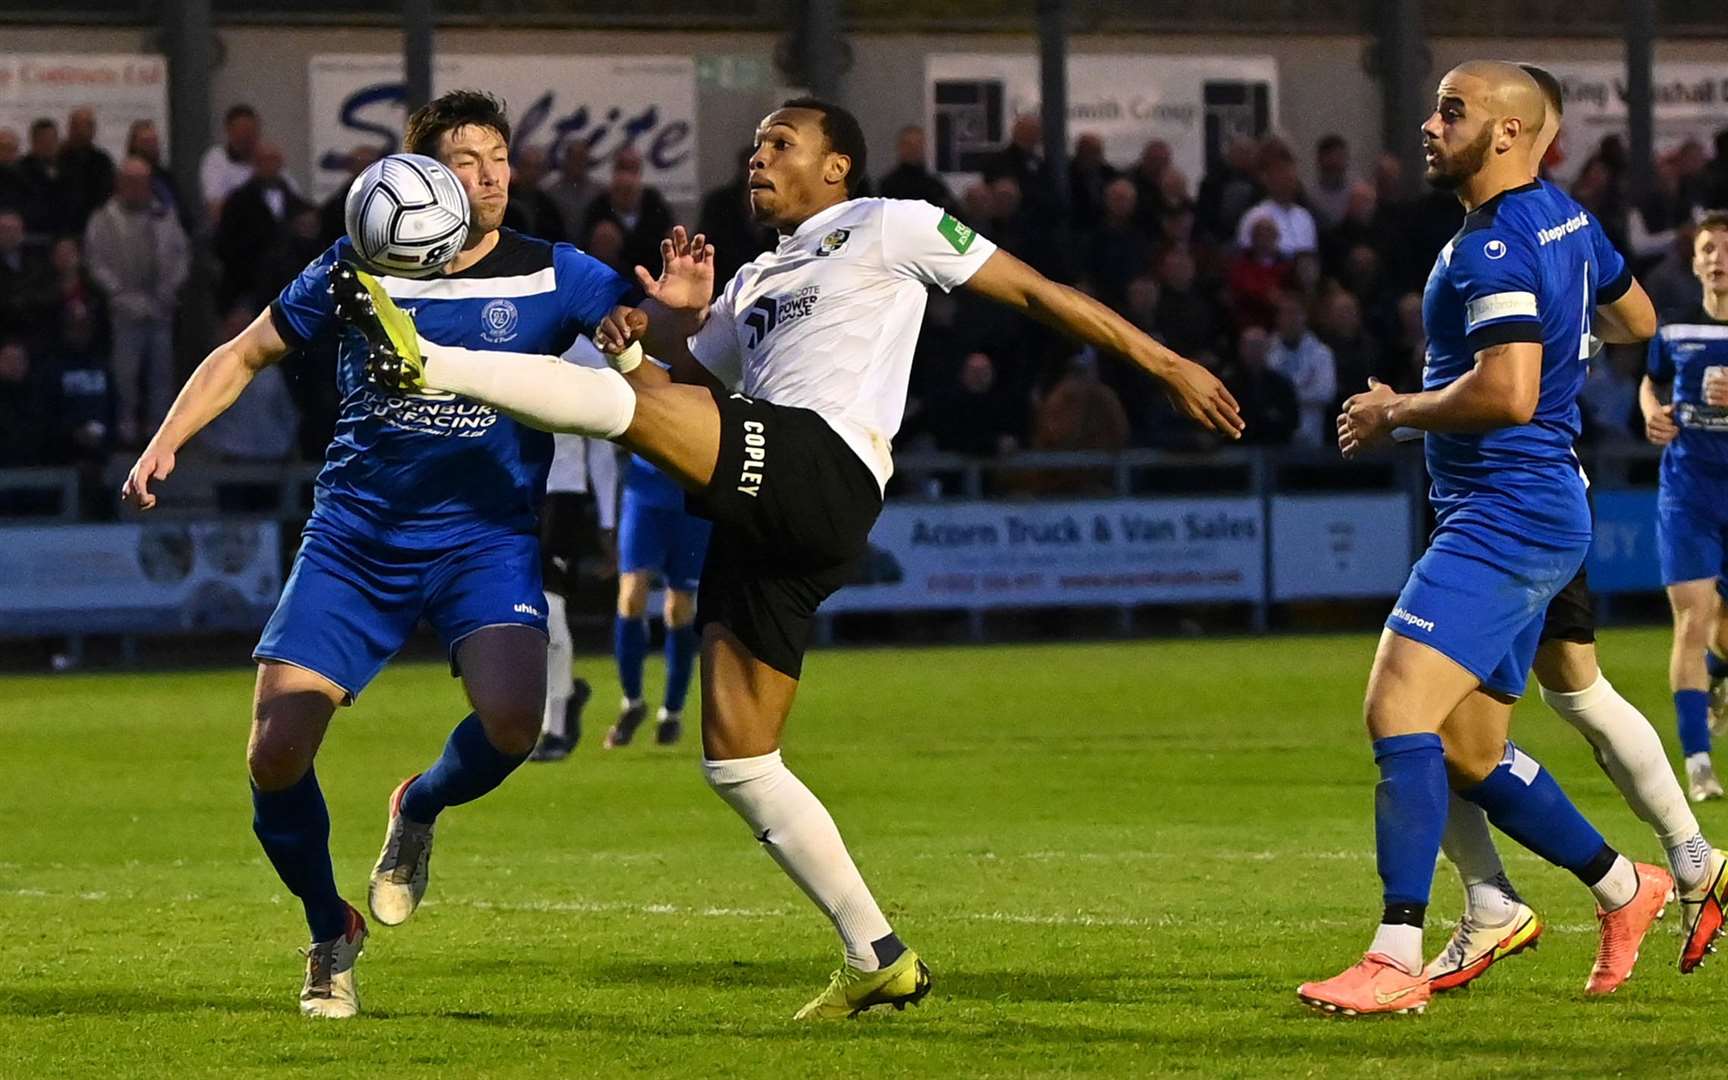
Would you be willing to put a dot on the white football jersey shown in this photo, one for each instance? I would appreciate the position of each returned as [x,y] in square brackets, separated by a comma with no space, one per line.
[828,320]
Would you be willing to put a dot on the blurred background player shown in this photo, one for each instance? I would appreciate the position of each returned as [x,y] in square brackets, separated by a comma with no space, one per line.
[1687,368]
[410,520]
[1496,922]
[656,535]
[581,494]
[1499,402]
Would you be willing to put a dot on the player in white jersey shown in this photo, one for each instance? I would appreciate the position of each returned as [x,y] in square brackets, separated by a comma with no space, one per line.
[777,416]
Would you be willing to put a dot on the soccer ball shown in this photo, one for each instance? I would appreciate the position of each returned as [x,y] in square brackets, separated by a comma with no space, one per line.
[407,215]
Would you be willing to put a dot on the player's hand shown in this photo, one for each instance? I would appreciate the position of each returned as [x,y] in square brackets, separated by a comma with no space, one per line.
[1201,397]
[1366,420]
[621,326]
[1716,385]
[686,281]
[153,464]
[1659,425]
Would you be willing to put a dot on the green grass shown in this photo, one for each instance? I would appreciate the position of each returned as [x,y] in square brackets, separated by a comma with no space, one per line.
[1118,859]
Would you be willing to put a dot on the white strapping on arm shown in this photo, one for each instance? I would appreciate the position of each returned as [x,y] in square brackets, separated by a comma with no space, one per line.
[544,392]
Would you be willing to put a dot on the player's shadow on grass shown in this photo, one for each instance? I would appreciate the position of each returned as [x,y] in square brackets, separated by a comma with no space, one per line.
[787,975]
[107,1001]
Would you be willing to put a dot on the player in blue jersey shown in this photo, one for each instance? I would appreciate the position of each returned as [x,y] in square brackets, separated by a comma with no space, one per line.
[1508,309]
[1688,366]
[1496,923]
[656,535]
[426,507]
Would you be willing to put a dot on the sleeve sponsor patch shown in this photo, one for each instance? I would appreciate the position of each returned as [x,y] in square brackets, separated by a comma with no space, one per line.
[958,234]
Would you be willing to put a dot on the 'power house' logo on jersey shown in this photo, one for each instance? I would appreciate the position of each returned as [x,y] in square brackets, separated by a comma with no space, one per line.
[433,414]
[772,312]
[755,454]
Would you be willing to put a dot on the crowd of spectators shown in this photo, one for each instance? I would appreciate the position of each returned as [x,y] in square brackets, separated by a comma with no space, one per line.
[1295,294]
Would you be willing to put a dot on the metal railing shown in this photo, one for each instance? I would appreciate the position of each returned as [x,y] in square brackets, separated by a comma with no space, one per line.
[284,491]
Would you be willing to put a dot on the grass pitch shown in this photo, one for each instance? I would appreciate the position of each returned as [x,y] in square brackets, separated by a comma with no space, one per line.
[1118,859]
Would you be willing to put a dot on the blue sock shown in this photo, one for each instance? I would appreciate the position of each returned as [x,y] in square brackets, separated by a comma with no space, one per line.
[630,646]
[294,826]
[680,661]
[1523,801]
[1409,816]
[1692,709]
[1714,664]
[469,767]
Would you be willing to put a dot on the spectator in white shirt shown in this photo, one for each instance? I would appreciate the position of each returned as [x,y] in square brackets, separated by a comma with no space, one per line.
[229,164]
[138,254]
[1296,232]
[1301,357]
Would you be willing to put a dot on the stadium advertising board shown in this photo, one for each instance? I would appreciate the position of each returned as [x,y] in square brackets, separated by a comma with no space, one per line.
[1690,102]
[1623,552]
[1331,546]
[120,87]
[138,578]
[1195,103]
[1105,552]
[357,99]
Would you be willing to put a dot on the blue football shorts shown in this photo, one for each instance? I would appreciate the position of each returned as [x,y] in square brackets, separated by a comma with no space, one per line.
[1479,596]
[662,539]
[1691,526]
[351,603]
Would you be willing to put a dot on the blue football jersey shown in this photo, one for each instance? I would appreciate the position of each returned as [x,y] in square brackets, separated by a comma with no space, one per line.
[434,470]
[1528,265]
[1679,353]
[647,485]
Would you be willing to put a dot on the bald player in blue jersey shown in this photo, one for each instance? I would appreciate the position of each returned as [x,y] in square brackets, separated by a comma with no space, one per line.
[1508,308]
[427,506]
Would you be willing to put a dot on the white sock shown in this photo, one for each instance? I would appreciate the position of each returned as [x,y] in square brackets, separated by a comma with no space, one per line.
[1489,898]
[1618,886]
[545,392]
[560,655]
[1630,752]
[1690,861]
[1401,943]
[797,831]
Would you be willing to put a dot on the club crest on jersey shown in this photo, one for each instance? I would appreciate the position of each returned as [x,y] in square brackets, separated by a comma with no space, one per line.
[1494,249]
[833,242]
[771,312]
[498,321]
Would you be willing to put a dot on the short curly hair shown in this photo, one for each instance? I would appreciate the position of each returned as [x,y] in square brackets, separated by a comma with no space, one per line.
[447,112]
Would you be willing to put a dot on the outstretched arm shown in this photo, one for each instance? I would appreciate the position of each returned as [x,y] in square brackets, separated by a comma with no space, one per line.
[1192,389]
[677,304]
[216,384]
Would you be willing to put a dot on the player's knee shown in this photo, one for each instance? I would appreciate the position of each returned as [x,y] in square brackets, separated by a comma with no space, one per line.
[1468,766]
[1693,626]
[632,595]
[680,609]
[513,727]
[275,763]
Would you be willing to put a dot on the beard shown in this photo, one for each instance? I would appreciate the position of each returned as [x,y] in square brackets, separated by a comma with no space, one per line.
[1450,174]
